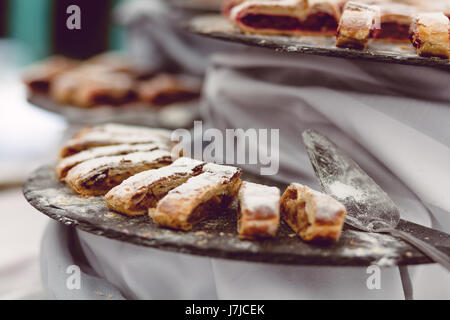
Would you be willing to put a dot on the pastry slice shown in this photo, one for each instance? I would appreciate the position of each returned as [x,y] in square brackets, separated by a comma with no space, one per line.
[201,197]
[39,76]
[165,89]
[355,25]
[98,176]
[69,162]
[110,88]
[65,87]
[259,211]
[395,21]
[322,17]
[314,216]
[142,191]
[112,61]
[107,136]
[287,17]
[429,34]
[268,16]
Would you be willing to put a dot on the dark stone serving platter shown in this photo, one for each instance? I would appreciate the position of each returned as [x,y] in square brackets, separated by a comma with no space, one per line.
[195,5]
[178,115]
[218,27]
[218,237]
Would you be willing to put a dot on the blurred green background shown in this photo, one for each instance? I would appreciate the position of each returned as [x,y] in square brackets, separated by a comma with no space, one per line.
[31,23]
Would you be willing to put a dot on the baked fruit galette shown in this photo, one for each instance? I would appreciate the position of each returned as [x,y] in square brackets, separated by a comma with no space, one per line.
[314,216]
[429,34]
[142,191]
[259,211]
[201,197]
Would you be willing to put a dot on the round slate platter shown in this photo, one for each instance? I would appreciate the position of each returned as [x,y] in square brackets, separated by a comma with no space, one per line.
[196,5]
[218,27]
[179,115]
[218,237]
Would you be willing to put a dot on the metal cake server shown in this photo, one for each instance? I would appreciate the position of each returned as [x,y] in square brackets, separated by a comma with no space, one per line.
[369,208]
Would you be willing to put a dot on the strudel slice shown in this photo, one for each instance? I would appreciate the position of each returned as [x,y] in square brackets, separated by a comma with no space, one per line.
[166,89]
[287,17]
[105,89]
[314,216]
[142,191]
[395,21]
[107,136]
[65,87]
[201,197]
[356,25]
[429,34]
[259,211]
[69,162]
[98,176]
[39,77]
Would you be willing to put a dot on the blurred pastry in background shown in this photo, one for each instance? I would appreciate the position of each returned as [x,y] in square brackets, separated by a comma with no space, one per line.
[108,80]
[39,76]
[165,89]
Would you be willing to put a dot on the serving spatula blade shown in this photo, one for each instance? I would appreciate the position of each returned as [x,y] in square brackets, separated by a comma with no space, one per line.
[369,208]
[343,179]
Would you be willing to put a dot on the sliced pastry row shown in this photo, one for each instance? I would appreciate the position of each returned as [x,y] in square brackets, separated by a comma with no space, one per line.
[353,22]
[99,158]
[140,177]
[428,32]
[106,80]
[188,191]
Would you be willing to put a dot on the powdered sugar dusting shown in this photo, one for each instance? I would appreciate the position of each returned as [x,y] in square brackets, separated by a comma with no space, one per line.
[221,169]
[383,247]
[257,197]
[182,166]
[327,208]
[67,163]
[343,191]
[197,185]
[91,167]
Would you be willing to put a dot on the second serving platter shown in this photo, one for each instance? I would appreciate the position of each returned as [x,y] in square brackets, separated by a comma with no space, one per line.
[218,27]
[178,115]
